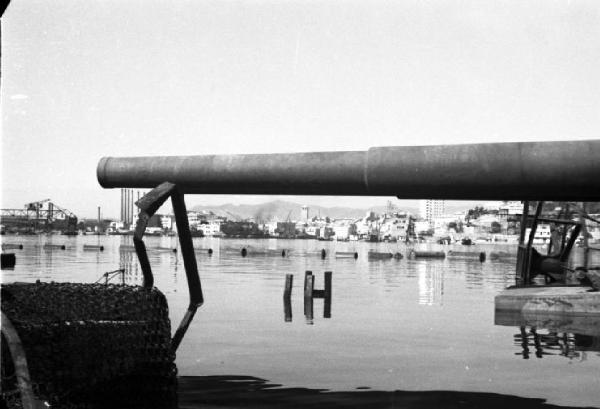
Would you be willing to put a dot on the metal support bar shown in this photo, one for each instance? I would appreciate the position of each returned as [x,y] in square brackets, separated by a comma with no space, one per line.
[189,263]
[148,205]
[527,270]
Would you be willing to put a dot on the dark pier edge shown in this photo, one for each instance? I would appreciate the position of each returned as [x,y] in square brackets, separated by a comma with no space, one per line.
[236,391]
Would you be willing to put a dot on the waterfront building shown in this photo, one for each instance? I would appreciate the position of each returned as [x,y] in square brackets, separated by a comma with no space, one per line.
[211,228]
[510,208]
[430,209]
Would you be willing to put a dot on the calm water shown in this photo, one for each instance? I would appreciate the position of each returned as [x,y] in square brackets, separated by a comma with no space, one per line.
[411,325]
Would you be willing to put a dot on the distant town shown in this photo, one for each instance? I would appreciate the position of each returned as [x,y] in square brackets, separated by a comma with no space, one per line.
[492,223]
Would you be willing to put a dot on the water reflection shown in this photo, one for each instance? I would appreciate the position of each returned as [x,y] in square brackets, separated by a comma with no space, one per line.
[380,306]
[568,345]
[431,283]
[542,335]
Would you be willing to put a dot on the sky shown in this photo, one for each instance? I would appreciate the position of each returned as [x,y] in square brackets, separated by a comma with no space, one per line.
[83,80]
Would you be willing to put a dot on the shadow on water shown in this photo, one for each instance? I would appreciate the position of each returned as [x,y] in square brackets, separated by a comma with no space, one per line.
[234,391]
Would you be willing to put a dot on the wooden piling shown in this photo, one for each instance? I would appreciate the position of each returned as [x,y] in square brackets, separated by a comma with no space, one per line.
[467,254]
[55,246]
[346,254]
[92,247]
[289,280]
[11,246]
[426,254]
[327,295]
[309,284]
[287,297]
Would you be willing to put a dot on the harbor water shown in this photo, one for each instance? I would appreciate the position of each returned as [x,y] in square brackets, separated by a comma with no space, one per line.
[396,324]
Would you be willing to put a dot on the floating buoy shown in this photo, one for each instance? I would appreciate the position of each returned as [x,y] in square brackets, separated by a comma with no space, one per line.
[210,251]
[467,254]
[244,252]
[346,254]
[55,246]
[90,247]
[323,254]
[426,254]
[10,246]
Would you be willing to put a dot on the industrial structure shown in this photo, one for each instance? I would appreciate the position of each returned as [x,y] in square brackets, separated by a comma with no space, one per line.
[43,216]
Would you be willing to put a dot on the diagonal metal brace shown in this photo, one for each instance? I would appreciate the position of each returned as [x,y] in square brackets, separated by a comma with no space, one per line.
[148,205]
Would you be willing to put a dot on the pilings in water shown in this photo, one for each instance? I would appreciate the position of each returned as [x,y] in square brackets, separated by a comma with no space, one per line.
[310,294]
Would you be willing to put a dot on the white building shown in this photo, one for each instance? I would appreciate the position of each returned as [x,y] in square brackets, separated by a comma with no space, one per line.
[212,228]
[431,209]
[510,209]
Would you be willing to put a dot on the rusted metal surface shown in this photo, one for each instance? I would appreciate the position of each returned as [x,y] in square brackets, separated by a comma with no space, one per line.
[567,170]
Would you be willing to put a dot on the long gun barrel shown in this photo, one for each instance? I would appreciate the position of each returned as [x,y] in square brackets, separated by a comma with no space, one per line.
[566,170]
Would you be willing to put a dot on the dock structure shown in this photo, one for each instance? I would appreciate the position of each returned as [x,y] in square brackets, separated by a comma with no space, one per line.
[576,300]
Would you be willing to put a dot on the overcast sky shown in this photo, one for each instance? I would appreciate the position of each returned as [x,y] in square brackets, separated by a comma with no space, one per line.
[82,80]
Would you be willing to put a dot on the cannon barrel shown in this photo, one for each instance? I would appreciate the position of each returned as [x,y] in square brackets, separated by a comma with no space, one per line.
[566,170]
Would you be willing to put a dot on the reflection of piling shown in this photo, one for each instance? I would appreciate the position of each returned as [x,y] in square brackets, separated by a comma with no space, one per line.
[287,297]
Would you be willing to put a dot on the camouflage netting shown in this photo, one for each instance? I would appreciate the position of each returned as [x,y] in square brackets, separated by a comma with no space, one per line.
[92,345]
